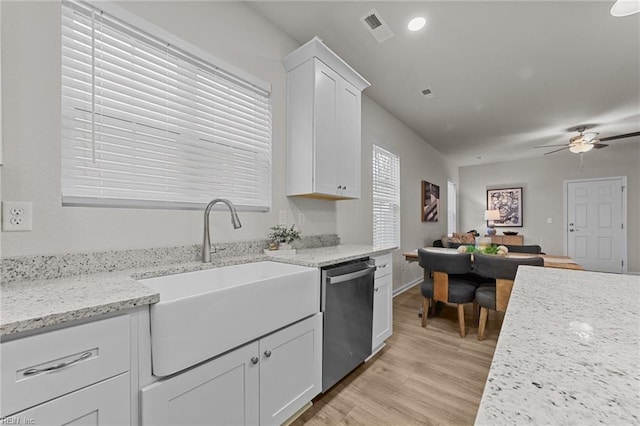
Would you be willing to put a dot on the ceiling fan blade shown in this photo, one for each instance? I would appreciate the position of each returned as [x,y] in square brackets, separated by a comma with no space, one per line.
[557,150]
[626,135]
[600,145]
[551,146]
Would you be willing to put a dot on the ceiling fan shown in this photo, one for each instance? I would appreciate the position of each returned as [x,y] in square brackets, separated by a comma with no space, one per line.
[585,142]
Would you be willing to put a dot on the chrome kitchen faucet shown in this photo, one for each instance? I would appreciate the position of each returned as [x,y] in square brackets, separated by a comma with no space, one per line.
[235,221]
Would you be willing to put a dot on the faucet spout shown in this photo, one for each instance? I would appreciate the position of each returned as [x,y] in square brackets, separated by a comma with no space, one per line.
[235,222]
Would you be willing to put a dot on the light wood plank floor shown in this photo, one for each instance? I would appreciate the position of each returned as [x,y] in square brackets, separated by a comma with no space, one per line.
[423,376]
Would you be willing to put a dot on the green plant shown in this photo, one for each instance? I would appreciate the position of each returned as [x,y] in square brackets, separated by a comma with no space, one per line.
[284,234]
[493,249]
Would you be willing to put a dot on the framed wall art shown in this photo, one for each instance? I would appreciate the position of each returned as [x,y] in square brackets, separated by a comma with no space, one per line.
[430,201]
[508,202]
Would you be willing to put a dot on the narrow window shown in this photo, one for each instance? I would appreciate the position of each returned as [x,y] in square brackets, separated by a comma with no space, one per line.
[148,123]
[386,198]
[451,208]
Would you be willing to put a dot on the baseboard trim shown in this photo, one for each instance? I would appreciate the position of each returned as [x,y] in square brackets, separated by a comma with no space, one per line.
[406,287]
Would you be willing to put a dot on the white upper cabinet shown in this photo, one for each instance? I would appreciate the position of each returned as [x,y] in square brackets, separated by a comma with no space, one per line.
[323,123]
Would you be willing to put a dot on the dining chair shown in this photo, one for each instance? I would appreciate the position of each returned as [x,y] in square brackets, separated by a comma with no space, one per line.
[533,249]
[446,286]
[496,295]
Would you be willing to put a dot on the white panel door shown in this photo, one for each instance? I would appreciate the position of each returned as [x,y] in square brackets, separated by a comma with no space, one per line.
[325,130]
[348,158]
[595,234]
[221,392]
[382,311]
[290,370]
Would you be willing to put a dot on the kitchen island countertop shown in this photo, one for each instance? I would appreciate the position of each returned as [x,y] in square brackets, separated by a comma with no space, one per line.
[568,351]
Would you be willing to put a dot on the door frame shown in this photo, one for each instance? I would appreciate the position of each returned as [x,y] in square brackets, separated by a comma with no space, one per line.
[565,209]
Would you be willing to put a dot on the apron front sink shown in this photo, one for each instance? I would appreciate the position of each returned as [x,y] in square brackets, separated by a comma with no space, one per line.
[205,313]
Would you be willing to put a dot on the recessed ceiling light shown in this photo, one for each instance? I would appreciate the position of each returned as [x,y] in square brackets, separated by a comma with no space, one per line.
[625,7]
[417,23]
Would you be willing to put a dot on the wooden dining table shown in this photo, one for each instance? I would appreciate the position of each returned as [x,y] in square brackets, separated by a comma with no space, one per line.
[550,261]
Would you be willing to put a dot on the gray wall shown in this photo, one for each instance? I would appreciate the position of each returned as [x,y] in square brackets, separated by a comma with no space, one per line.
[233,32]
[542,181]
[418,161]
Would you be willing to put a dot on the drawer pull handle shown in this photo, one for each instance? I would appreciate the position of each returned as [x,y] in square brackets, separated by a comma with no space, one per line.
[267,353]
[32,371]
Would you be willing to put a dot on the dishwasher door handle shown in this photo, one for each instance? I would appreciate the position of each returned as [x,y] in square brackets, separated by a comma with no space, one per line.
[348,277]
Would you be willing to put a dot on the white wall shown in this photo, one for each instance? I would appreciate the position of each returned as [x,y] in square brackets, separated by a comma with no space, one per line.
[542,181]
[233,32]
[418,161]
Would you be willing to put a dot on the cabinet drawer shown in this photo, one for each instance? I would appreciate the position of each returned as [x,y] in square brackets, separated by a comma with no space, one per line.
[44,366]
[104,404]
[384,265]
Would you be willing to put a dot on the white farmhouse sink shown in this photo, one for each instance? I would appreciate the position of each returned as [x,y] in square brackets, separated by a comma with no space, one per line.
[205,313]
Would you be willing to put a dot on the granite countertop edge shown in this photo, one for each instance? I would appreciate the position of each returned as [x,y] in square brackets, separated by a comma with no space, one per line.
[30,305]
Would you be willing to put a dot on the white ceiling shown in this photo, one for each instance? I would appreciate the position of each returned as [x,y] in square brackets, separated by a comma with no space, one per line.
[507,75]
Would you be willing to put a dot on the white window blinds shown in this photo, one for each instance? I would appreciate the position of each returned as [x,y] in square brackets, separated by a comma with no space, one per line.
[148,124]
[386,198]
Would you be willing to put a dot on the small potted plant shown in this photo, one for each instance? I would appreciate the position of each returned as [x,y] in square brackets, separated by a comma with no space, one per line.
[283,236]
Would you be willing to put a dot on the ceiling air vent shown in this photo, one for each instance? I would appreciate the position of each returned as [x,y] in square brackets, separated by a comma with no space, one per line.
[428,93]
[376,26]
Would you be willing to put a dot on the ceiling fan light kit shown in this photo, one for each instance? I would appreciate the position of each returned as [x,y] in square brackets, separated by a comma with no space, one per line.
[581,147]
[585,142]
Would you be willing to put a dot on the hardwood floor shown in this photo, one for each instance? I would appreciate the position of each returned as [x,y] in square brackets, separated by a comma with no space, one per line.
[423,376]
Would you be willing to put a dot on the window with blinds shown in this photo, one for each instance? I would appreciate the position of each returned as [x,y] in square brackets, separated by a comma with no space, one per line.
[451,208]
[146,123]
[386,198]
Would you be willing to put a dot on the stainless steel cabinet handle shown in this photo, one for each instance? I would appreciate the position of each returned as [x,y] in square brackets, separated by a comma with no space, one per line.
[32,371]
[267,353]
[254,360]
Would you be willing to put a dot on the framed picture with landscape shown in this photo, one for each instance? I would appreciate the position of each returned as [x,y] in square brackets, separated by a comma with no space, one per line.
[508,202]
[430,201]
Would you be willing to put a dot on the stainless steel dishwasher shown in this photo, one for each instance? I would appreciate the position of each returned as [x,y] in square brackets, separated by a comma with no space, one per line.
[347,303]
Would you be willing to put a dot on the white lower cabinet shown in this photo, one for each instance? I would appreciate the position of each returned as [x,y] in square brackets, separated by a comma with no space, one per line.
[105,403]
[264,382]
[382,302]
[76,375]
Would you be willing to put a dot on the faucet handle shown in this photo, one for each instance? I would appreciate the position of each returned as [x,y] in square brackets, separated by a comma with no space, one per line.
[215,249]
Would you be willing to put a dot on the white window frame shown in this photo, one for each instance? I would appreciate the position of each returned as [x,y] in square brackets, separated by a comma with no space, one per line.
[218,129]
[386,198]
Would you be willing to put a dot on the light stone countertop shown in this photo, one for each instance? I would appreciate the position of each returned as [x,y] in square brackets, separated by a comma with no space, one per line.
[568,352]
[30,305]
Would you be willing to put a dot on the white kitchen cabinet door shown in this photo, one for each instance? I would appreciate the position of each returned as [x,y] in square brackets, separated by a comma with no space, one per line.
[349,141]
[327,136]
[382,311]
[105,403]
[290,370]
[221,392]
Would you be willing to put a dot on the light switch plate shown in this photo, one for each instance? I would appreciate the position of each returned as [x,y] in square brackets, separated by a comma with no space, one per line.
[16,216]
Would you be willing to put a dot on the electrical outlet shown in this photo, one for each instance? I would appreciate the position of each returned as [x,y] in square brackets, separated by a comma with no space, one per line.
[16,216]
[283,217]
[549,220]
[301,219]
